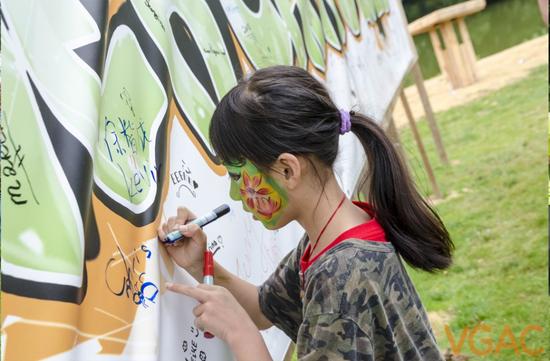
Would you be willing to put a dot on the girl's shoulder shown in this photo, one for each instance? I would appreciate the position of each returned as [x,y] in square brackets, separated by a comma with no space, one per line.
[367,283]
[357,272]
[356,254]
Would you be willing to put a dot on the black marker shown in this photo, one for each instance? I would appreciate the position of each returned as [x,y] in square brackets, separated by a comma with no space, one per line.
[175,236]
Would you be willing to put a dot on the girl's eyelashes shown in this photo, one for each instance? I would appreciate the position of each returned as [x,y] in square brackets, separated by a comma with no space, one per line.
[234,177]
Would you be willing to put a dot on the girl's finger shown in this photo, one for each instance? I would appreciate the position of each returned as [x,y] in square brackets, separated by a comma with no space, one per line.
[170,223]
[161,233]
[206,287]
[199,324]
[198,310]
[189,229]
[193,292]
[185,215]
[165,228]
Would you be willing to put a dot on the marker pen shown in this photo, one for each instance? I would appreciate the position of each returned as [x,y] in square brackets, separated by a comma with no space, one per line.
[208,276]
[175,236]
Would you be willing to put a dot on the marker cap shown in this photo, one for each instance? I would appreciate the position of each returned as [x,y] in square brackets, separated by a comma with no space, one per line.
[221,210]
[208,267]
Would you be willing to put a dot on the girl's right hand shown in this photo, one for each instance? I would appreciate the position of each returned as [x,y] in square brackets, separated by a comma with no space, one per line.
[188,252]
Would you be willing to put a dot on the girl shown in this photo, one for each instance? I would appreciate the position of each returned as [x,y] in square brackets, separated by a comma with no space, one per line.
[343,293]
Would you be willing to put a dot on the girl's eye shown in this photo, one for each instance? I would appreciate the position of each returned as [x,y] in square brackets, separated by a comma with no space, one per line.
[234,177]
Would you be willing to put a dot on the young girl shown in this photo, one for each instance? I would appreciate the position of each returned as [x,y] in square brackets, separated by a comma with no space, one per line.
[343,293]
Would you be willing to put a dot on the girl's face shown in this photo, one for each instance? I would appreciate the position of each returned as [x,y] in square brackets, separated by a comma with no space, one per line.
[259,193]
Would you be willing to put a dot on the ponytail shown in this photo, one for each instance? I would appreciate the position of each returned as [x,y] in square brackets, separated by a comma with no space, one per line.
[410,224]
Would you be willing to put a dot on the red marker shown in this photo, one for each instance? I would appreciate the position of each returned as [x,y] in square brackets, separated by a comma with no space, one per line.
[208,276]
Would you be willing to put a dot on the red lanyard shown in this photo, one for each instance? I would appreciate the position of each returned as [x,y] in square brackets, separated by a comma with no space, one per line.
[318,238]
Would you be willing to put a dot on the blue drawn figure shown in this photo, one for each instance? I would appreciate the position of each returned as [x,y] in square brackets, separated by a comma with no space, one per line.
[146,250]
[140,296]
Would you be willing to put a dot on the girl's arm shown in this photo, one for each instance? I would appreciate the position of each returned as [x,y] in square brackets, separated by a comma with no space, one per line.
[248,347]
[188,254]
[221,314]
[245,292]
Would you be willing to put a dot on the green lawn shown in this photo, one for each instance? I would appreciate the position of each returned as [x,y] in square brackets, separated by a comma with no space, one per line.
[497,219]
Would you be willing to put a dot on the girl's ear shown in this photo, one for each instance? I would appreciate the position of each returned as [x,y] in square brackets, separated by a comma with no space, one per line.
[290,169]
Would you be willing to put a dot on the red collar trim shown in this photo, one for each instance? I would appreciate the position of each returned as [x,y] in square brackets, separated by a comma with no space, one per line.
[371,230]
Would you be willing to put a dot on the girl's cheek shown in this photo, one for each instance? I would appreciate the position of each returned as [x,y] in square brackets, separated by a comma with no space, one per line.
[234,192]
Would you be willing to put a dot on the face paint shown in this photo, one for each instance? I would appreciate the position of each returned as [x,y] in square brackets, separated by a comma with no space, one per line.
[260,193]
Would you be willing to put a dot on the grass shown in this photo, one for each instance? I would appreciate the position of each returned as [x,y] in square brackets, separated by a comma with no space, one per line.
[497,219]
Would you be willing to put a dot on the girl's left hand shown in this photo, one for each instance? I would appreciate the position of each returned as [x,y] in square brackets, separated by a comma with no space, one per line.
[218,312]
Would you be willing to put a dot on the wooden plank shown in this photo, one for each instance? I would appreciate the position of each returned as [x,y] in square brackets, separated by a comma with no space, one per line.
[453,58]
[419,80]
[425,23]
[469,54]
[420,145]
[438,50]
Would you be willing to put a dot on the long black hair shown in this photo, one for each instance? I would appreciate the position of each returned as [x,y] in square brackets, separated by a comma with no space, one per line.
[282,109]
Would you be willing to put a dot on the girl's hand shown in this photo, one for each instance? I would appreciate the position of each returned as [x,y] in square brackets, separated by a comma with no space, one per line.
[188,252]
[221,314]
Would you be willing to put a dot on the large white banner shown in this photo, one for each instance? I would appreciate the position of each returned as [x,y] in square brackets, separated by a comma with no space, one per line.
[105,113]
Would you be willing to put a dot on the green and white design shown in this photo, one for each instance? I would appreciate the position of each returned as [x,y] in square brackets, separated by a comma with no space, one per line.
[42,236]
[129,117]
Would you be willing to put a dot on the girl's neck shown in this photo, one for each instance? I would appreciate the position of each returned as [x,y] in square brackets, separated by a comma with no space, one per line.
[313,218]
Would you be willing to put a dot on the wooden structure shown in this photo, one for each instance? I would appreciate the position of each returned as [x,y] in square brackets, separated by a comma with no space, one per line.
[543,6]
[393,133]
[455,55]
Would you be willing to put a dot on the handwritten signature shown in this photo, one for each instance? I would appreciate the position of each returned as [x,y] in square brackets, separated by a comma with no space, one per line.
[132,285]
[12,162]
[125,141]
[155,15]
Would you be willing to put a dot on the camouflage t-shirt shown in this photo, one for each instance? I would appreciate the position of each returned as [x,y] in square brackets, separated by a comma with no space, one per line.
[358,304]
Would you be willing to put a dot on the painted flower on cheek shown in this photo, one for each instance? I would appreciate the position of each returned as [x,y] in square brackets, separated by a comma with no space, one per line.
[266,206]
[252,188]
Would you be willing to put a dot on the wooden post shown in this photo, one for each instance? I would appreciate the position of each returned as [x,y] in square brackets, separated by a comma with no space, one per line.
[467,50]
[456,59]
[439,52]
[392,132]
[430,118]
[420,144]
[543,6]
[453,57]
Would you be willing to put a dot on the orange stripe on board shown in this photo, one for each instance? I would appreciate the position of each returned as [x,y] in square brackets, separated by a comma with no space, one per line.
[114,5]
[246,64]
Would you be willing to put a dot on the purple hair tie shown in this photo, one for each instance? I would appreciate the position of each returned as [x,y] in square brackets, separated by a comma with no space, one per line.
[346,121]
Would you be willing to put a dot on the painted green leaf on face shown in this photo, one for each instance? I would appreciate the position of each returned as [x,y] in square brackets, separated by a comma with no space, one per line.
[259,193]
